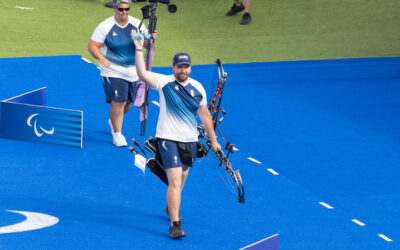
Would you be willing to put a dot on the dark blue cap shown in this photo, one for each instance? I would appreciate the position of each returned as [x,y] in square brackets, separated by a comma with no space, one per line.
[181,58]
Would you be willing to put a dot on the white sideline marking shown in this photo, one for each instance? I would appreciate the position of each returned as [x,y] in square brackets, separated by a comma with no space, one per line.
[258,242]
[273,171]
[326,205]
[254,160]
[23,8]
[86,60]
[358,222]
[384,237]
[156,103]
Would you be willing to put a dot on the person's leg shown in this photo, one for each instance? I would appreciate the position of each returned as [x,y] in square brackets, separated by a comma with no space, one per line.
[188,163]
[177,176]
[237,3]
[247,5]
[185,172]
[116,112]
[127,107]
[237,7]
[174,192]
[128,90]
[118,93]
[175,185]
[246,19]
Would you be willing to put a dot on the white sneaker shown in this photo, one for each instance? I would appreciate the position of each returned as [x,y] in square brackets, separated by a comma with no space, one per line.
[119,140]
[111,126]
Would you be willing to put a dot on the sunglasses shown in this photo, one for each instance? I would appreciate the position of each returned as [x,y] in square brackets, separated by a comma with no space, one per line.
[123,9]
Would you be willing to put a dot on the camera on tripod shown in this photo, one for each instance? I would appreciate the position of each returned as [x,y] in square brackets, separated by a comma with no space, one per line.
[149,12]
[151,8]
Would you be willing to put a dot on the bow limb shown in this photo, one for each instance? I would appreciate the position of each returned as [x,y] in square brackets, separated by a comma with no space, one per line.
[206,120]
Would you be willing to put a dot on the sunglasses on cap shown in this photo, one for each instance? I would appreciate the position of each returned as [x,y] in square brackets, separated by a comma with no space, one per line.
[123,9]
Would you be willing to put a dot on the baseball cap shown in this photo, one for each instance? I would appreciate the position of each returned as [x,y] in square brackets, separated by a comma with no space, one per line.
[181,58]
[116,3]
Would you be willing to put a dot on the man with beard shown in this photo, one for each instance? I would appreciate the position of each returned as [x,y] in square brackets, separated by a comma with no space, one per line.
[181,99]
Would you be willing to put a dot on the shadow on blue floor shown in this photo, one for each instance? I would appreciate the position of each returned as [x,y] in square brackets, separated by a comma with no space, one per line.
[330,129]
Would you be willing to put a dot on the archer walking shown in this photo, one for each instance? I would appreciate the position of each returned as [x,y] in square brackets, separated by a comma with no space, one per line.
[181,100]
[117,64]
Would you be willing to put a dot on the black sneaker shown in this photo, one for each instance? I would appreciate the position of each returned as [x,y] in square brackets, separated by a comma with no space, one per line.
[246,19]
[235,9]
[167,213]
[175,231]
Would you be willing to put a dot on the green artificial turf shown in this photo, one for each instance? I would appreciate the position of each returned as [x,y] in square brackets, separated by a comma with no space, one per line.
[281,30]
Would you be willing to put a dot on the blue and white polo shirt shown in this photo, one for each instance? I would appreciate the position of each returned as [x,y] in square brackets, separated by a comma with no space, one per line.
[118,47]
[178,108]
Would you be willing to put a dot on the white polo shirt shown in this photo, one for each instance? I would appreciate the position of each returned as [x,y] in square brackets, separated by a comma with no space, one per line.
[178,108]
[118,47]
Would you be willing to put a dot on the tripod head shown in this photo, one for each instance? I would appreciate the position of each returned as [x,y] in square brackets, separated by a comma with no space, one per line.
[149,12]
[151,8]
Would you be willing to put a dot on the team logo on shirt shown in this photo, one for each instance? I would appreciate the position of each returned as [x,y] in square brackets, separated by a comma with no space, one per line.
[192,92]
[114,34]
[116,93]
[176,87]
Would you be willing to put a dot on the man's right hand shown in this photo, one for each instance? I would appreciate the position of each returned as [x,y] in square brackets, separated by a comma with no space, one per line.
[147,76]
[138,43]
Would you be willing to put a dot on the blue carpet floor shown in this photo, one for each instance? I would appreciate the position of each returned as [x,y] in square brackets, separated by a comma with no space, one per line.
[329,128]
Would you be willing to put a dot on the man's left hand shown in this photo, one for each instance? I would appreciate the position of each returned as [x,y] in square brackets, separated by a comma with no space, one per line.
[215,146]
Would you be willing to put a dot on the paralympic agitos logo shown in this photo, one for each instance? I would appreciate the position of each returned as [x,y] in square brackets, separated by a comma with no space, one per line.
[37,128]
[33,221]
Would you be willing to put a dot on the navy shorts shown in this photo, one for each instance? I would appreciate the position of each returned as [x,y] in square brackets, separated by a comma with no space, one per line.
[170,154]
[119,90]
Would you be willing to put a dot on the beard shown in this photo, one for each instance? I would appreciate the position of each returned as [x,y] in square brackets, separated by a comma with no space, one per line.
[181,77]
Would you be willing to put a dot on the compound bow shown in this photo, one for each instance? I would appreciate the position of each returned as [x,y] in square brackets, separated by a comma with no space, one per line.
[215,109]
